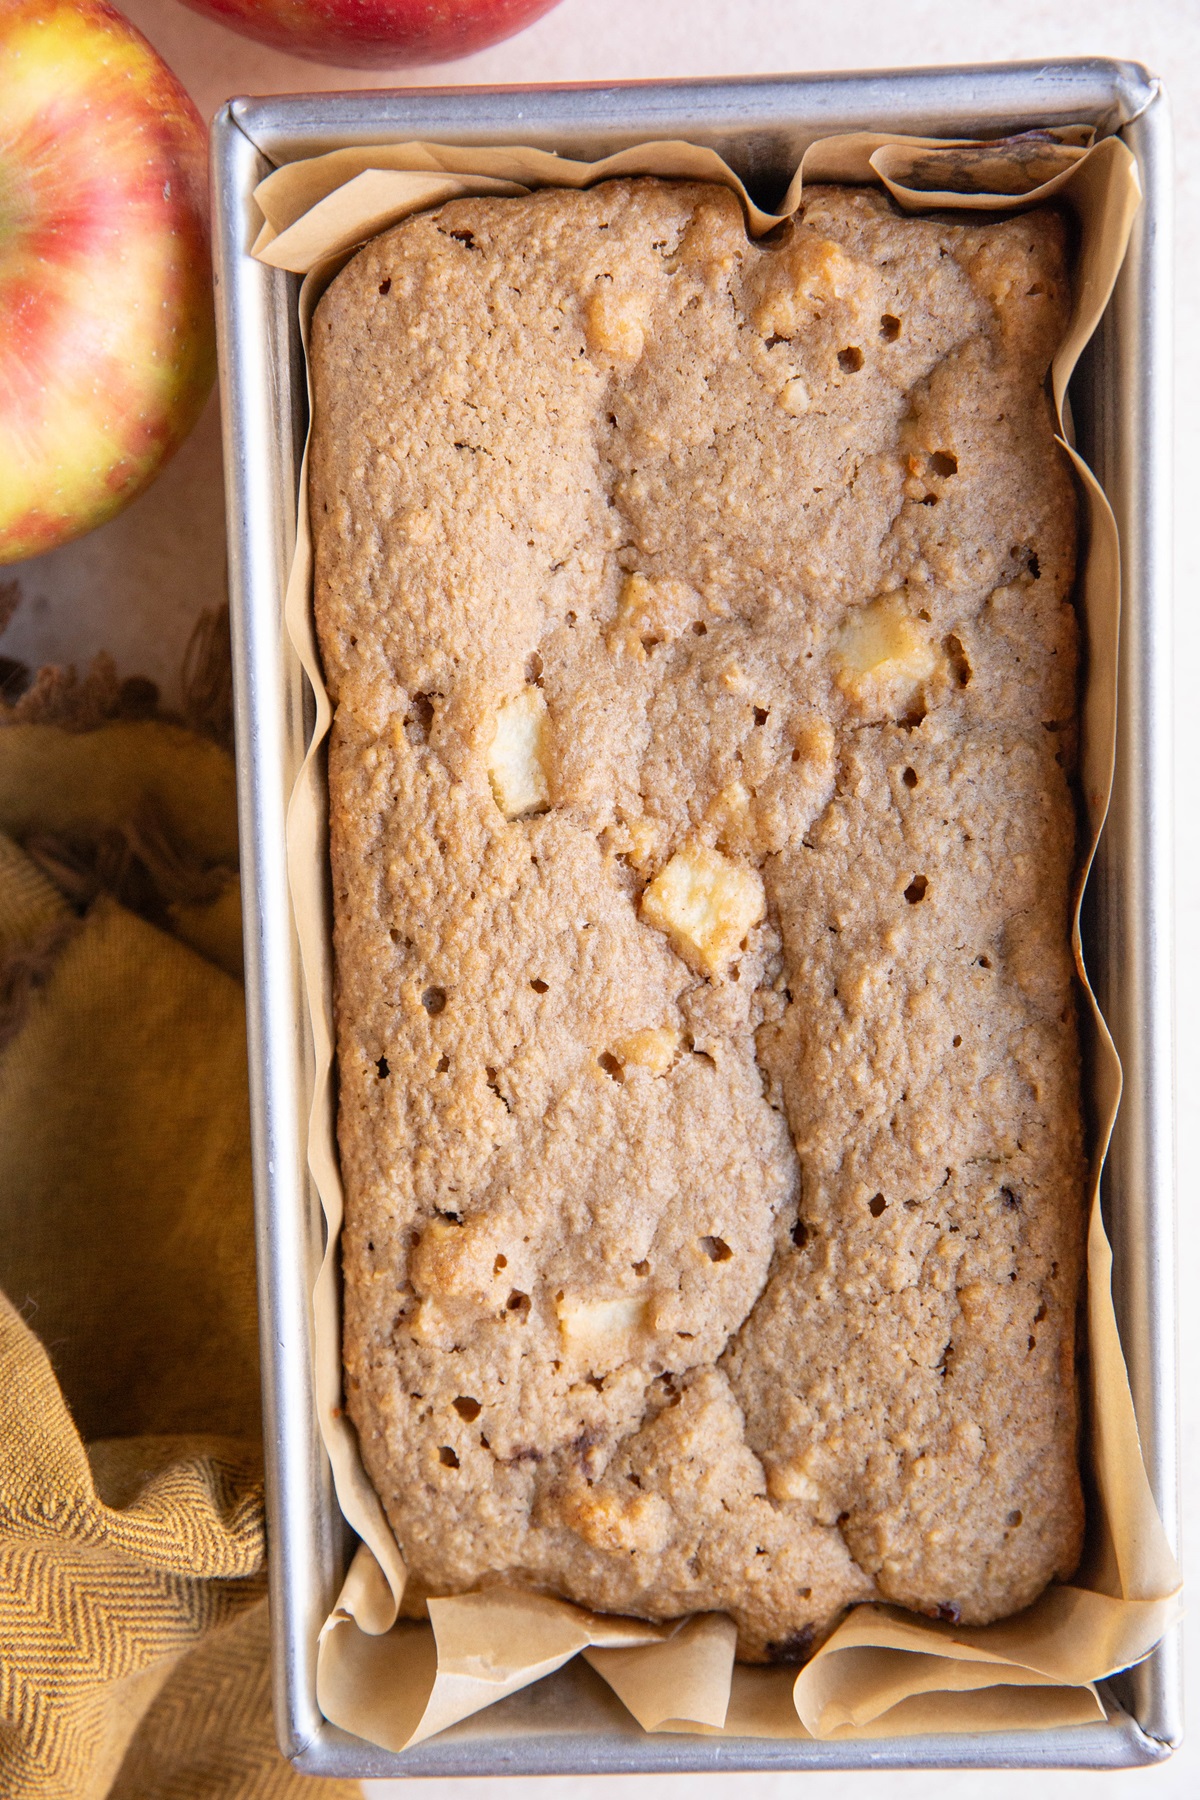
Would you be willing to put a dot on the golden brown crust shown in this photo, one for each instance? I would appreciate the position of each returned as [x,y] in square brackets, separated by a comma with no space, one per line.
[697,615]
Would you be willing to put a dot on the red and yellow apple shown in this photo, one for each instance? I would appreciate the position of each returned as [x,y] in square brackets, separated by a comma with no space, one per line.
[372,34]
[106,328]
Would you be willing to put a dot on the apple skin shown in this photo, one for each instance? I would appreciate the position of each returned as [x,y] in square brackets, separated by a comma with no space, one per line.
[373,34]
[106,325]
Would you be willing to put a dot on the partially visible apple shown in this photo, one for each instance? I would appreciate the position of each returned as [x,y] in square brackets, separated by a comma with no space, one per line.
[373,34]
[106,328]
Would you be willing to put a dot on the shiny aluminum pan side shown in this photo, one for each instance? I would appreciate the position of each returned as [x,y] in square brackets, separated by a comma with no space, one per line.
[572,1724]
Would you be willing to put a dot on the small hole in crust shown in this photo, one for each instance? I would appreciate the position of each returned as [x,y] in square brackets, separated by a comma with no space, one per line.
[539,986]
[761,715]
[909,778]
[533,667]
[700,628]
[850,359]
[959,661]
[641,1268]
[1014,1519]
[466,1408]
[382,1067]
[501,1262]
[443,1063]
[571,618]
[944,463]
[518,1302]
[983,962]
[956,1041]
[493,1081]
[385,286]
[1010,1200]
[877,1206]
[421,718]
[447,1457]
[434,1001]
[916,890]
[889,328]
[716,1249]
[799,1234]
[611,1065]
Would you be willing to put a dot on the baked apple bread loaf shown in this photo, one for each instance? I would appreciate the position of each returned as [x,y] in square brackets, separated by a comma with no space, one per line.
[697,616]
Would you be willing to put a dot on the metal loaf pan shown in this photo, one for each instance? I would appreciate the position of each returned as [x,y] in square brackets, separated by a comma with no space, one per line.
[572,1724]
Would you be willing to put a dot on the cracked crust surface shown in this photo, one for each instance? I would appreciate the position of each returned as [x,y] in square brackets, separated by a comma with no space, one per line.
[697,618]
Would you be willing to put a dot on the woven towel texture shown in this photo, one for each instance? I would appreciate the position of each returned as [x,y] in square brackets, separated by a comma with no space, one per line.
[133,1635]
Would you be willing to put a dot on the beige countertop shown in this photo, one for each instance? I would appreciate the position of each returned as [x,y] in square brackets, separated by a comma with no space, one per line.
[135,587]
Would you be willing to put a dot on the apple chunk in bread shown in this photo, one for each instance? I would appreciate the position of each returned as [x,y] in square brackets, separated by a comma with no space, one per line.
[616,325]
[883,659]
[601,1332]
[705,903]
[652,612]
[654,1049]
[517,758]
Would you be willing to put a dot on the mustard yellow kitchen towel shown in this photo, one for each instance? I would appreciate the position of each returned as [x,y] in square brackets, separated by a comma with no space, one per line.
[133,1638]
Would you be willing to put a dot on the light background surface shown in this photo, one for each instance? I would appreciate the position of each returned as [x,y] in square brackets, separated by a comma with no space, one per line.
[135,587]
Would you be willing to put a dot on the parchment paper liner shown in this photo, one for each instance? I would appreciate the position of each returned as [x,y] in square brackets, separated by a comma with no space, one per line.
[883,1672]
